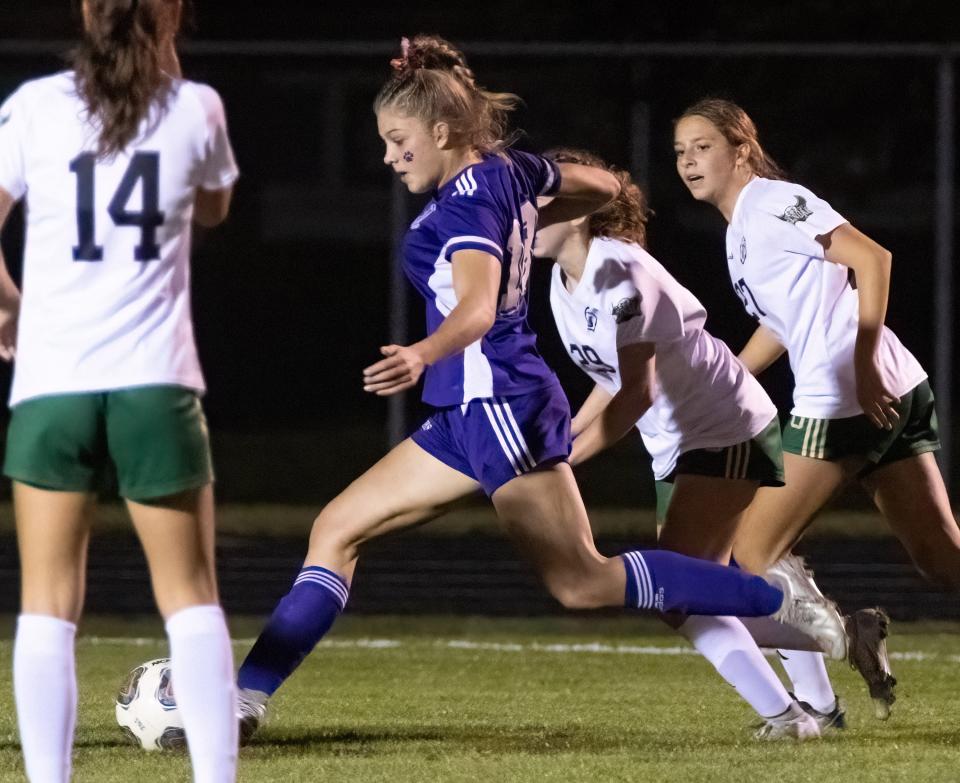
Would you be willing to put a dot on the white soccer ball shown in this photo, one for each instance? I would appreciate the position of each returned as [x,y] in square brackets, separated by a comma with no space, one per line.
[146,709]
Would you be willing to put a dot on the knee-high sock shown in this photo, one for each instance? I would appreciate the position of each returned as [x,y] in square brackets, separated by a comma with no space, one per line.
[670,582]
[201,663]
[808,673]
[45,687]
[301,619]
[729,647]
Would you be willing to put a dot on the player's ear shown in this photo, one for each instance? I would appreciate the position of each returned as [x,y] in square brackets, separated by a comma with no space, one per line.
[743,155]
[441,135]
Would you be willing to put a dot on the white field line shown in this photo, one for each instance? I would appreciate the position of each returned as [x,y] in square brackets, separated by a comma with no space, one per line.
[590,648]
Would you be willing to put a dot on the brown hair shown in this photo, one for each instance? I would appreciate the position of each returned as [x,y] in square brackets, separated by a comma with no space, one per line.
[627,215]
[432,82]
[117,66]
[737,128]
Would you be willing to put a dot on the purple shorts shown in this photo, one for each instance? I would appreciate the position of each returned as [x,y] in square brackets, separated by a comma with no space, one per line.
[496,439]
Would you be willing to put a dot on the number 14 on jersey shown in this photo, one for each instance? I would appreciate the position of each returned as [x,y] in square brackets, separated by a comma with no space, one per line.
[144,168]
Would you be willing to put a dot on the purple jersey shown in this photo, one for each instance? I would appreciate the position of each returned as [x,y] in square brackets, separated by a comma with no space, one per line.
[489,206]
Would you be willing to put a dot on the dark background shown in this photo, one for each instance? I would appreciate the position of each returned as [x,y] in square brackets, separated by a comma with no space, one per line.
[291,296]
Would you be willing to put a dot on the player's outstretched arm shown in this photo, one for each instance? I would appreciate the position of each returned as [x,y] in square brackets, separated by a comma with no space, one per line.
[583,189]
[9,294]
[637,370]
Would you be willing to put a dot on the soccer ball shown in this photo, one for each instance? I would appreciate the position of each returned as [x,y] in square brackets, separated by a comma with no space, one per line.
[146,708]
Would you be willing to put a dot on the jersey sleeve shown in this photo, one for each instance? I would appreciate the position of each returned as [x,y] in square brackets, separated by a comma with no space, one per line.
[13,123]
[542,174]
[795,205]
[473,223]
[219,167]
[642,308]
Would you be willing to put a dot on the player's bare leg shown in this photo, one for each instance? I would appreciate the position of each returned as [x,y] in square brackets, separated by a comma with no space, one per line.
[778,516]
[911,494]
[53,529]
[177,534]
[544,515]
[405,488]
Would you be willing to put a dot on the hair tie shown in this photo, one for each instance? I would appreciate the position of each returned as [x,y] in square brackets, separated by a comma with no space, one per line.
[407,61]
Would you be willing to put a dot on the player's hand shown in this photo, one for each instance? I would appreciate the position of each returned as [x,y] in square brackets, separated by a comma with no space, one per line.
[872,394]
[399,371]
[8,332]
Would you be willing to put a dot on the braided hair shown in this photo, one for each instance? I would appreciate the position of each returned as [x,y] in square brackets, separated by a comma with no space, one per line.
[432,82]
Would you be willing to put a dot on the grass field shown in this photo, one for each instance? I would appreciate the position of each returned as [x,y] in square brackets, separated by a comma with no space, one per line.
[562,699]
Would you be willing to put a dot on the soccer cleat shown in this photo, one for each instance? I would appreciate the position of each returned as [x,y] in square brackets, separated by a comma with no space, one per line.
[251,712]
[835,719]
[806,608]
[793,723]
[867,630]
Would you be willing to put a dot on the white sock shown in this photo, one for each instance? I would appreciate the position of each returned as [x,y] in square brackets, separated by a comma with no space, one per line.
[45,688]
[201,661]
[808,673]
[729,647]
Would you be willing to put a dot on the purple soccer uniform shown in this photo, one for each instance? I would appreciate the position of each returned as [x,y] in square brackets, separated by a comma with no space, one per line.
[501,410]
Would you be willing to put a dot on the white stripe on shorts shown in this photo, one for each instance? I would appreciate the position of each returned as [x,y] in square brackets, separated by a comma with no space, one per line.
[511,438]
[519,435]
[499,434]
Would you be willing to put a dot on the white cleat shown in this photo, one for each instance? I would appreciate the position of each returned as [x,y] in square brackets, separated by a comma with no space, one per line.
[251,712]
[806,608]
[792,724]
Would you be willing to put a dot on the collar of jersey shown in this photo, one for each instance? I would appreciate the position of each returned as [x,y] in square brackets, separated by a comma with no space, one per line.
[740,197]
[594,254]
[451,183]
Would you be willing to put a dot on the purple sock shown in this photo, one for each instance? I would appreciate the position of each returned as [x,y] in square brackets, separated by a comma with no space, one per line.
[301,619]
[671,582]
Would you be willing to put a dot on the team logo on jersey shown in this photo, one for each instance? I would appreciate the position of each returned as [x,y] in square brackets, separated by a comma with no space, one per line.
[626,309]
[431,208]
[797,213]
[590,313]
[743,250]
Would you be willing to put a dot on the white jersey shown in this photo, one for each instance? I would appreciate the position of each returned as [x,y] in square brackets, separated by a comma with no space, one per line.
[704,396]
[106,275]
[779,272]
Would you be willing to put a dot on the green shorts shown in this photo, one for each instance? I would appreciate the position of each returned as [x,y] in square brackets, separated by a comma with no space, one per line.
[155,436]
[856,436]
[759,459]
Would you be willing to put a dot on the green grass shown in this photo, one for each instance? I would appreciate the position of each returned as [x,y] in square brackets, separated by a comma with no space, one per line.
[509,705]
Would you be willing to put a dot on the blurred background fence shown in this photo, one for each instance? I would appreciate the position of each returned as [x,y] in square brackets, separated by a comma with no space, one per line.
[293,296]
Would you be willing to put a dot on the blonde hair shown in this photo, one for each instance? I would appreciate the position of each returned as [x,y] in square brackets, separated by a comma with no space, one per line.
[737,128]
[432,82]
[627,215]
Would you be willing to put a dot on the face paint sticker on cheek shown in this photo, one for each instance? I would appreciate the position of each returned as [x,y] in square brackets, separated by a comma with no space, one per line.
[408,156]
